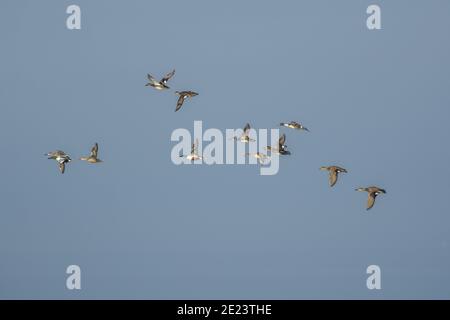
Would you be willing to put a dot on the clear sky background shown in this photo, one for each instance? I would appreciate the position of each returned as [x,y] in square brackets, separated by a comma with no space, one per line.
[376,102]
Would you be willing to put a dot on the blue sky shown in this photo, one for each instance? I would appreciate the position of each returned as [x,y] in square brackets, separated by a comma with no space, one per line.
[376,103]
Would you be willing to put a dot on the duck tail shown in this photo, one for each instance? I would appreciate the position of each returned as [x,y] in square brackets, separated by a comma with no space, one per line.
[283,124]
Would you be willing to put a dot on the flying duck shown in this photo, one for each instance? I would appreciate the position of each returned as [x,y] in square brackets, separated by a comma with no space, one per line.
[333,173]
[294,125]
[162,84]
[93,158]
[373,193]
[245,135]
[282,148]
[261,158]
[61,157]
[193,156]
[183,95]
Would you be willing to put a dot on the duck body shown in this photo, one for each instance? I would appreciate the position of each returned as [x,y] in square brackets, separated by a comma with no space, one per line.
[261,157]
[93,157]
[193,156]
[373,192]
[245,137]
[61,157]
[182,96]
[294,125]
[333,173]
[158,86]
[162,84]
[281,148]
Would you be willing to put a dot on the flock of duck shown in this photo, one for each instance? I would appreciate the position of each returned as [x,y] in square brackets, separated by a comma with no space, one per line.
[62,158]
[333,171]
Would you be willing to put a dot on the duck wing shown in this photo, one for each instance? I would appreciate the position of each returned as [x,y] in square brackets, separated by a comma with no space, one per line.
[371,200]
[196,146]
[246,128]
[333,177]
[152,81]
[282,140]
[62,167]
[94,150]
[168,76]
[180,102]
